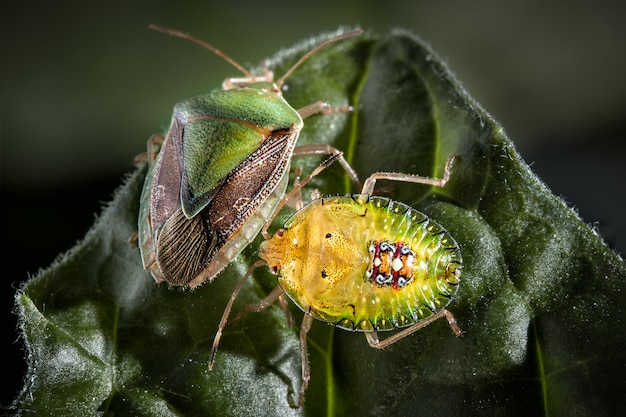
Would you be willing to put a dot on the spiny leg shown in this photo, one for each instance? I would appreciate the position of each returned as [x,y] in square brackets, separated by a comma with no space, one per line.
[154,145]
[314,150]
[229,307]
[307,321]
[274,295]
[295,192]
[370,182]
[134,239]
[282,300]
[326,149]
[322,107]
[296,201]
[277,293]
[372,336]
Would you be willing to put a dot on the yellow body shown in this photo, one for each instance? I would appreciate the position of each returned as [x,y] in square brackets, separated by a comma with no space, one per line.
[325,258]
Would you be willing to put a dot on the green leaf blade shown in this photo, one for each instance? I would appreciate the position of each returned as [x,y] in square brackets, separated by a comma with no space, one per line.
[541,296]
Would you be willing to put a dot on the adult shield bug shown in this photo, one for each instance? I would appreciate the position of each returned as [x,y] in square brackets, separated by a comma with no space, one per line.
[361,263]
[220,172]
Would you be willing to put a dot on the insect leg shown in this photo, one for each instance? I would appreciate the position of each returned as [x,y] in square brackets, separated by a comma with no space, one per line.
[372,337]
[276,293]
[229,307]
[322,107]
[453,324]
[325,149]
[231,83]
[154,145]
[307,321]
[296,190]
[296,201]
[285,306]
[134,238]
[370,182]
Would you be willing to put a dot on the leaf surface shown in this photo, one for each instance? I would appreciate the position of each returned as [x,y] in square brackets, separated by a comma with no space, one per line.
[541,298]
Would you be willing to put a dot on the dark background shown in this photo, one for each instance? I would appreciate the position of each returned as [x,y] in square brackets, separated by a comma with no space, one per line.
[85,84]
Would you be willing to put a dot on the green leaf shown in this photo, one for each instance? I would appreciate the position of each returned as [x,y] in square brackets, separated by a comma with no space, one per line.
[541,298]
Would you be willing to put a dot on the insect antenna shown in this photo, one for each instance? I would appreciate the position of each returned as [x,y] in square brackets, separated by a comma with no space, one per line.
[205,45]
[306,56]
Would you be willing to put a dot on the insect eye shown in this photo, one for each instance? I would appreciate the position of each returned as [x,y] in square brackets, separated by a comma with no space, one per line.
[274,269]
[280,233]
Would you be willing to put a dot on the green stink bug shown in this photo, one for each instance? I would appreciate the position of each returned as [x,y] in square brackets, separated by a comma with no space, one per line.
[361,263]
[220,172]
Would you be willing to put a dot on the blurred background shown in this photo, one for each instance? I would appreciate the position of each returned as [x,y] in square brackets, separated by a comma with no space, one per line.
[85,84]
